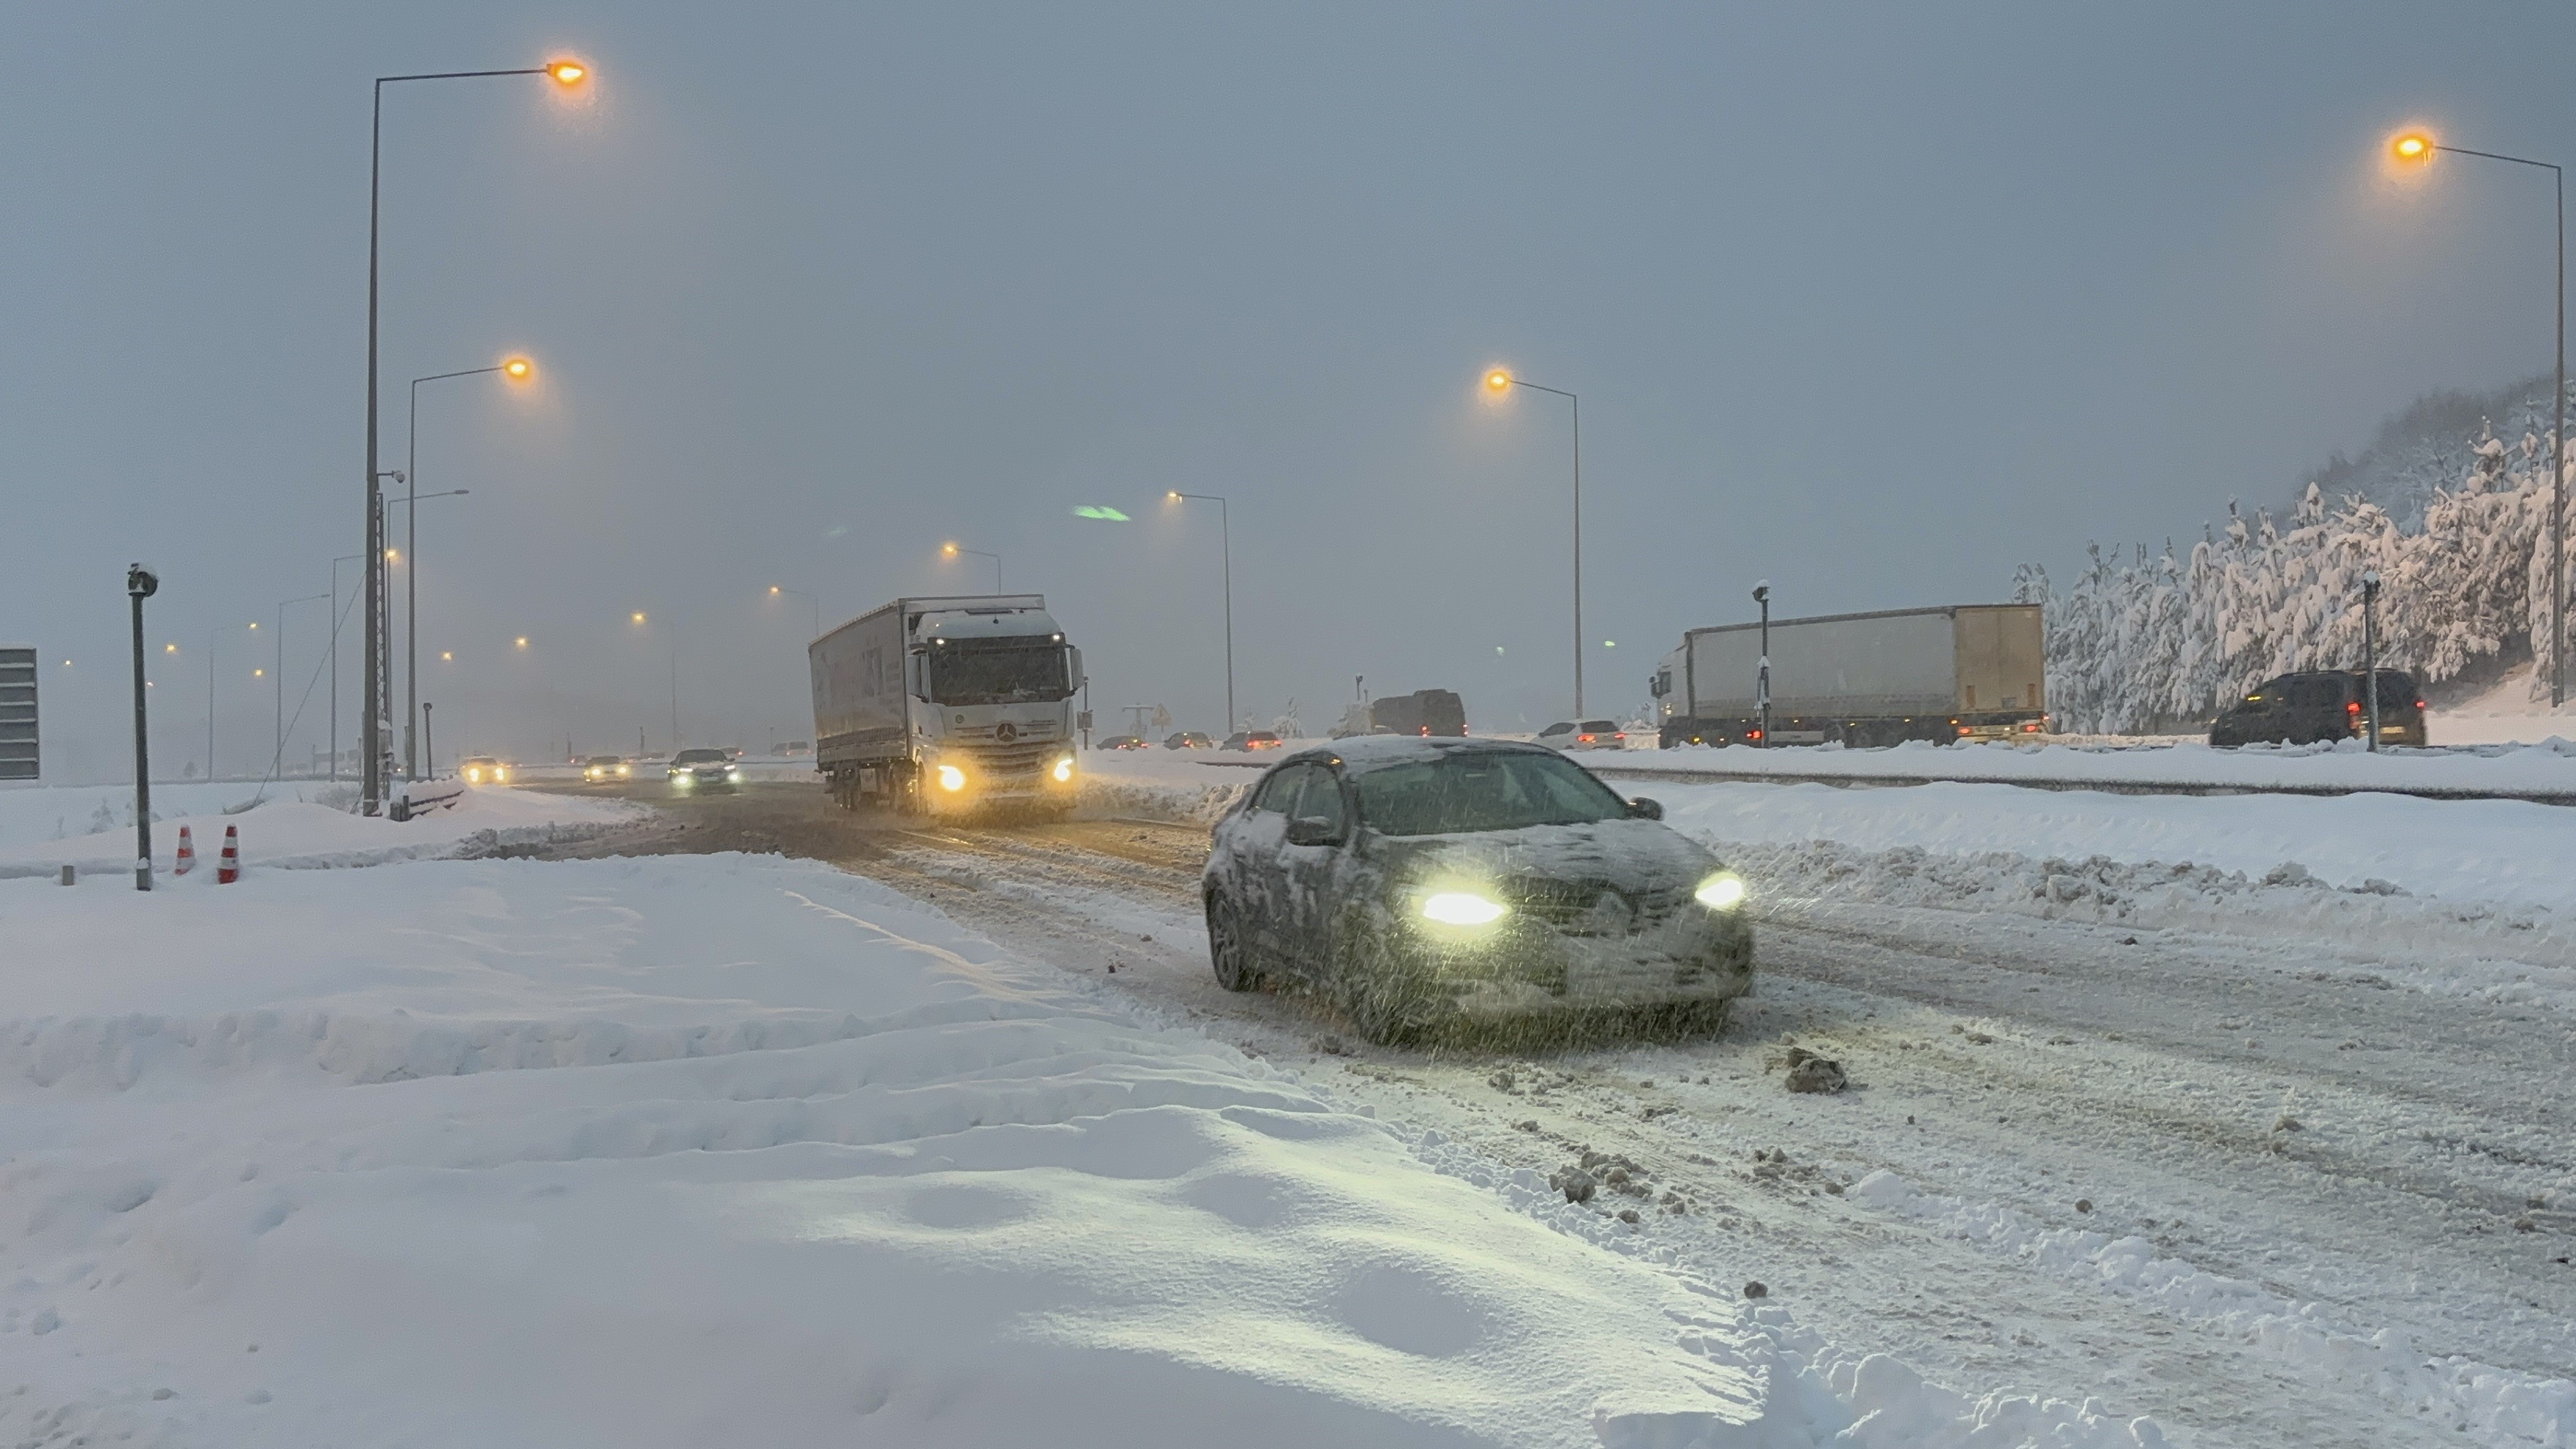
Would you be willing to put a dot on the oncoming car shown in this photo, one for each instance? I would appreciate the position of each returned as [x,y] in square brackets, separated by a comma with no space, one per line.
[484,770]
[703,770]
[1250,740]
[599,769]
[1590,734]
[1420,882]
[1124,742]
[1188,740]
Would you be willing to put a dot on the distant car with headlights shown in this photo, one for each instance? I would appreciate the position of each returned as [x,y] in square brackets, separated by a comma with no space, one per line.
[703,769]
[484,770]
[1249,740]
[1188,740]
[1590,734]
[602,769]
[1125,742]
[1424,882]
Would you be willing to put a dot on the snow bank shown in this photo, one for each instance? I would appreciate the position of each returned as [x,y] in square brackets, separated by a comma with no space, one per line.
[285,832]
[2489,1405]
[2547,768]
[680,1150]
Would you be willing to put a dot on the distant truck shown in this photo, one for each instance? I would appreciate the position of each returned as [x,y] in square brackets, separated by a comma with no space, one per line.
[942,705]
[1966,671]
[1423,712]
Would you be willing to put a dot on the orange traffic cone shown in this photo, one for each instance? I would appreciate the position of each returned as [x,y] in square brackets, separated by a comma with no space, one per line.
[187,854]
[228,869]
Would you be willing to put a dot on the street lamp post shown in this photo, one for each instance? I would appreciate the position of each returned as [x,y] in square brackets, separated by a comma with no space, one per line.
[335,661]
[2417,148]
[140,584]
[277,757]
[566,73]
[1225,539]
[1498,382]
[2370,648]
[951,550]
[670,637]
[1762,673]
[777,589]
[516,369]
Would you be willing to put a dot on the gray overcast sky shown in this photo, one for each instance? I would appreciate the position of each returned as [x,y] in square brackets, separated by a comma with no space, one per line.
[1875,301]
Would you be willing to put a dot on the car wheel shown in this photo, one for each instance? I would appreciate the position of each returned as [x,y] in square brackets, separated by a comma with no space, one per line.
[1388,1002]
[1226,952]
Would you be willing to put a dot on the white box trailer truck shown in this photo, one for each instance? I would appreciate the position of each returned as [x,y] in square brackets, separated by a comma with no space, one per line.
[947,704]
[1965,671]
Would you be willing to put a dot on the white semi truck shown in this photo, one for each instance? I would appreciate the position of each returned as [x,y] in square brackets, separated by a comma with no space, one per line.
[945,705]
[1964,671]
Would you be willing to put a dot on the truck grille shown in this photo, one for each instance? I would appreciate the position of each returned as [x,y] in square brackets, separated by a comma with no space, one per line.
[1023,757]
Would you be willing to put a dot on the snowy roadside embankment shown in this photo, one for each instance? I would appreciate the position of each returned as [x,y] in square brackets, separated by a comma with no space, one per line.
[675,1150]
[91,828]
[2541,769]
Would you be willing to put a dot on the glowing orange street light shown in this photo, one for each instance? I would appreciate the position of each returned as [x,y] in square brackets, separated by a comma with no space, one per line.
[635,618]
[951,550]
[2413,146]
[567,73]
[523,641]
[518,369]
[1498,382]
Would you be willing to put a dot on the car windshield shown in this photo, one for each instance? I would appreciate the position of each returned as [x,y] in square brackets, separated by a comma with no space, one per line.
[697,757]
[603,759]
[1006,671]
[1468,790]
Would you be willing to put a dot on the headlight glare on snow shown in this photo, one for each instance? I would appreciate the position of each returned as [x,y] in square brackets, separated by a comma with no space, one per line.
[1063,771]
[1723,891]
[1462,908]
[951,778]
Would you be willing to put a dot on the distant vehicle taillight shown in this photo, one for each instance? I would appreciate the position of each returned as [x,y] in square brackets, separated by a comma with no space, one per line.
[1748,734]
[1584,739]
[2419,704]
[2353,708]
[2031,728]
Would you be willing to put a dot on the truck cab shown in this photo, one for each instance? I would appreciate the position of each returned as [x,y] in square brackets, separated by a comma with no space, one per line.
[993,689]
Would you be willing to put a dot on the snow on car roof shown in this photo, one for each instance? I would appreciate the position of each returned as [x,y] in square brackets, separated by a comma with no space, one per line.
[1368,750]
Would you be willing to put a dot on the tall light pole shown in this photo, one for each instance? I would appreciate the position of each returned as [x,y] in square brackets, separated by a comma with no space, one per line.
[1498,382]
[516,370]
[565,73]
[777,589]
[1225,540]
[2416,148]
[277,757]
[1762,674]
[141,584]
[2370,647]
[670,637]
[950,550]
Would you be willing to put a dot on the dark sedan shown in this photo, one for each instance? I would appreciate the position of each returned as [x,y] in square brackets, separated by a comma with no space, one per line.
[1419,882]
[2323,705]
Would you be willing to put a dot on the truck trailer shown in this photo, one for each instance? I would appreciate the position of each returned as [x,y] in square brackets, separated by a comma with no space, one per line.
[947,704]
[1964,671]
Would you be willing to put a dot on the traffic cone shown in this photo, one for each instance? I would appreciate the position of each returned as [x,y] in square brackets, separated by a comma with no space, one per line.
[228,869]
[187,854]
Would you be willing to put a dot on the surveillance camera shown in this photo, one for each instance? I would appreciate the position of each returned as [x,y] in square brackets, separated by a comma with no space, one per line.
[141,582]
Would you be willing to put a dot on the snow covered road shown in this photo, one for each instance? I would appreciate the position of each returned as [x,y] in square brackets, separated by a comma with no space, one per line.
[2317,1136]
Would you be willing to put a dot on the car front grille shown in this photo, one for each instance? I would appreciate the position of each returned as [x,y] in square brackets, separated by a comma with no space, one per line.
[1591,907]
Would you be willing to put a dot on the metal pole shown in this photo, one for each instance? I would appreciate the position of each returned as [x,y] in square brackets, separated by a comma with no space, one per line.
[371,731]
[1578,555]
[1762,596]
[2558,474]
[140,585]
[674,639]
[426,752]
[212,635]
[2370,650]
[411,583]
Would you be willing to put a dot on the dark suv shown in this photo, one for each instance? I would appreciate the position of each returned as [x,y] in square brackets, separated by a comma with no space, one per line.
[2331,704]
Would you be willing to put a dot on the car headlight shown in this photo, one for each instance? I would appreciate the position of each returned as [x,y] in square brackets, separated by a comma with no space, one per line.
[1462,908]
[951,778]
[681,777]
[733,774]
[624,771]
[1723,891]
[1063,771]
[474,777]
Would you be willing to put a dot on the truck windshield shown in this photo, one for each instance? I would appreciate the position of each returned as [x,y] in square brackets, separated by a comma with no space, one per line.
[1474,790]
[1005,671]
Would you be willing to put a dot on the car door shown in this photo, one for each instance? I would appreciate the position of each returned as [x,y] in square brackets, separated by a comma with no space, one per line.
[1260,835]
[1310,855]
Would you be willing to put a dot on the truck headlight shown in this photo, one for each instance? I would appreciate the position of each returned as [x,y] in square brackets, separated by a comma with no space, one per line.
[951,778]
[1063,770]
[1723,891]
[474,777]
[1462,908]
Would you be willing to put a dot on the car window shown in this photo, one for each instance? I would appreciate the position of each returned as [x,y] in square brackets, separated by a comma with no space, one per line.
[1321,799]
[697,757]
[2316,693]
[1279,792]
[2396,689]
[1467,790]
[1600,727]
[1556,729]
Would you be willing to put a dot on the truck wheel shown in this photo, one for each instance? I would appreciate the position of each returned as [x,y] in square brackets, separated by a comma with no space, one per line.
[1226,949]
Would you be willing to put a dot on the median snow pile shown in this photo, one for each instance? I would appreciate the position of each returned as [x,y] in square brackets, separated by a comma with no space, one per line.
[2548,768]
[299,827]
[688,1150]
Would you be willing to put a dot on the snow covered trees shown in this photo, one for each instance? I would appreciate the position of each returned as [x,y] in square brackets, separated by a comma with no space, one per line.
[2147,642]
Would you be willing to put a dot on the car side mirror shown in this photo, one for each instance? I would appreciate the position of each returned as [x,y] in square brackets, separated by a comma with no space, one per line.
[1642,808]
[1314,830]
